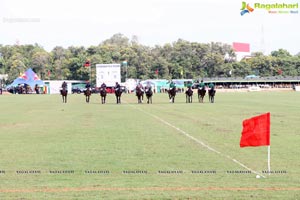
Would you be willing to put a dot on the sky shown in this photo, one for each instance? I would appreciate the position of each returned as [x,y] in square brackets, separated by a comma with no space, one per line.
[51,23]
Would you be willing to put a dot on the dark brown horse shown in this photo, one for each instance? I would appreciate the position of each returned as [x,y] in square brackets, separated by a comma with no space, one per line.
[140,94]
[189,96]
[118,93]
[211,94]
[201,94]
[64,94]
[103,94]
[87,94]
[149,94]
[172,94]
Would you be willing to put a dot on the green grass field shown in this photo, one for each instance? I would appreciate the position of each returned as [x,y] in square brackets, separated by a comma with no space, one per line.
[38,133]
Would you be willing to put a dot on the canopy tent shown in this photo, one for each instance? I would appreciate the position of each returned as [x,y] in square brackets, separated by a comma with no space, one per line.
[29,78]
[146,82]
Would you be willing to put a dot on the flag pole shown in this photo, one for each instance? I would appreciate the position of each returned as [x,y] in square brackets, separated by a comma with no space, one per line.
[90,73]
[269,159]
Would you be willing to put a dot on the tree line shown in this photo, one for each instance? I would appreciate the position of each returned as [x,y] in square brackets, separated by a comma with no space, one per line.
[181,59]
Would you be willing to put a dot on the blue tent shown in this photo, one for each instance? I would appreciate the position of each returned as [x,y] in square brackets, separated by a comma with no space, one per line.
[30,78]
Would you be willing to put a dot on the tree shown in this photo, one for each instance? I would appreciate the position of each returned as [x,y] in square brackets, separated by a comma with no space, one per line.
[280,53]
[117,40]
[41,63]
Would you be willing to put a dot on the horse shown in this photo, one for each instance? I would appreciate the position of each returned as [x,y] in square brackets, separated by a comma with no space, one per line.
[149,94]
[64,93]
[87,94]
[118,94]
[103,95]
[211,94]
[189,96]
[140,94]
[172,94]
[201,94]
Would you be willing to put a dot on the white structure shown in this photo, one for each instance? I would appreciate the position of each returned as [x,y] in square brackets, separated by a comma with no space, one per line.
[54,86]
[108,74]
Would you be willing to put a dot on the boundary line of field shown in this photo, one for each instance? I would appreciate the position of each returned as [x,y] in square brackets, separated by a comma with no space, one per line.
[198,141]
[89,189]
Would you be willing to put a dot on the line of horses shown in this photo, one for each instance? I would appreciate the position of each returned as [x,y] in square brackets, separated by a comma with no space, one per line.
[140,95]
[88,92]
[201,94]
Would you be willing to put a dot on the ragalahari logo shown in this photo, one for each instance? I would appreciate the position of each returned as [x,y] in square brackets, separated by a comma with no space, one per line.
[246,8]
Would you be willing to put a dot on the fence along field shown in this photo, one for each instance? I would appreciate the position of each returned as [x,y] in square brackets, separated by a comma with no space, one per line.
[54,150]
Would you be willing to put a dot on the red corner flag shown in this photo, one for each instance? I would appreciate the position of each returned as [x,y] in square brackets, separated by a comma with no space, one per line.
[256,131]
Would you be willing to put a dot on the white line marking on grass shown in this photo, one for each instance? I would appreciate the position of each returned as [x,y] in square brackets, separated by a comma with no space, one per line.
[198,141]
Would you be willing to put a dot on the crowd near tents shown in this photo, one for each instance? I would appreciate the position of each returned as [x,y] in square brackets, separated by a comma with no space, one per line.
[28,77]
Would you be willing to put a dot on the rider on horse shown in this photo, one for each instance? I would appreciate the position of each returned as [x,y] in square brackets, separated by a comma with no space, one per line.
[201,85]
[140,86]
[172,85]
[189,85]
[148,87]
[211,86]
[64,86]
[88,85]
[117,86]
[103,86]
